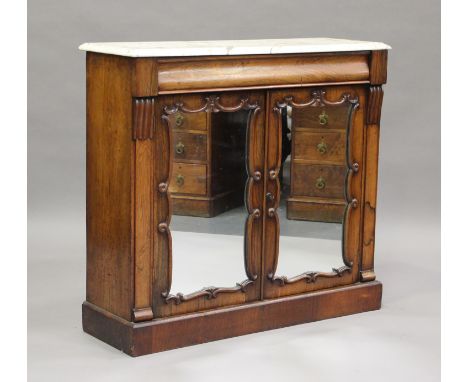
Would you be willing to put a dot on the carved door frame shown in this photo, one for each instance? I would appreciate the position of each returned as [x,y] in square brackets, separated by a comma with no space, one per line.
[274,285]
[164,301]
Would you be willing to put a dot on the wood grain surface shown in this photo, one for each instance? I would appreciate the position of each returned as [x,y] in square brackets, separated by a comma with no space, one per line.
[139,110]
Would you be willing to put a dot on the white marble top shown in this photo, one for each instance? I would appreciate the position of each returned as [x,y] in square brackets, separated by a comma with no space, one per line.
[230,47]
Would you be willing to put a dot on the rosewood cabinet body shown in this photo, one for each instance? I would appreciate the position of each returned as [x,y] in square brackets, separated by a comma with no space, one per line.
[279,141]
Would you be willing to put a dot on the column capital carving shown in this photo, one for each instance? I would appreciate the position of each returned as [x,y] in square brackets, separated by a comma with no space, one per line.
[143,118]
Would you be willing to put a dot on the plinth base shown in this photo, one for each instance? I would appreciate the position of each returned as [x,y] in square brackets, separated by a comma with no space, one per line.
[162,334]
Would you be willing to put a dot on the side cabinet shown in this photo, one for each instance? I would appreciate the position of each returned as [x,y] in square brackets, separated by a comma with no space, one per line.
[229,195]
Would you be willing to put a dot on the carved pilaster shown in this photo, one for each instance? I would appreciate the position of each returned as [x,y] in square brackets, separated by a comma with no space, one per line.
[143,118]
[143,173]
[375,105]
[375,99]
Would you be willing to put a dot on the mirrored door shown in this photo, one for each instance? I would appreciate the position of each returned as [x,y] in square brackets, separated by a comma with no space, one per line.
[209,201]
[315,148]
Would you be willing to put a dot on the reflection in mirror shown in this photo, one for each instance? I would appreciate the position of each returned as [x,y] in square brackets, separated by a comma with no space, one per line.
[207,195]
[313,196]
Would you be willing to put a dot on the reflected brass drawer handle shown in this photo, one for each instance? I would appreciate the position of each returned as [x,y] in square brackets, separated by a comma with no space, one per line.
[320,183]
[179,119]
[180,148]
[322,147]
[323,118]
[180,180]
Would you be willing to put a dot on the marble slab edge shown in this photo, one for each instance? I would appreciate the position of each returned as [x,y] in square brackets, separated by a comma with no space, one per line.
[230,48]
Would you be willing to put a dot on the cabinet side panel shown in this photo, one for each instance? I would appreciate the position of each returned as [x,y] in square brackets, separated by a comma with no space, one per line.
[109,153]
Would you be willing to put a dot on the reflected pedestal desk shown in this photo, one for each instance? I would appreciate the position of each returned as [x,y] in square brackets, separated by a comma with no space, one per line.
[231,187]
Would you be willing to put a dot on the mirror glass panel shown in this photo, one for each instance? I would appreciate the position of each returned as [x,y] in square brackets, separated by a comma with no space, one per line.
[207,195]
[313,181]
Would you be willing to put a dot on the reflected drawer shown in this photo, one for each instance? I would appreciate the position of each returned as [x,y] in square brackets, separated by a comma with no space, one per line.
[188,121]
[188,179]
[326,146]
[319,210]
[189,146]
[317,180]
[332,117]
